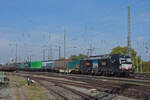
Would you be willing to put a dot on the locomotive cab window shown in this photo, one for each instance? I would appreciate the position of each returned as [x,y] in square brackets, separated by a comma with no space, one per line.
[125,60]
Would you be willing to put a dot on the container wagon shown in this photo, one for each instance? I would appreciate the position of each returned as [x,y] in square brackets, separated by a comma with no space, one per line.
[61,65]
[35,66]
[73,66]
[48,65]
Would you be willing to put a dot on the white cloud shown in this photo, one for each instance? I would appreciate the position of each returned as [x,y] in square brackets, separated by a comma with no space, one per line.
[139,38]
[144,14]
[146,17]
[4,43]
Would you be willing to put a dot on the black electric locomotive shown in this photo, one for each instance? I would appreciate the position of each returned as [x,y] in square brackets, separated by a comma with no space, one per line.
[107,65]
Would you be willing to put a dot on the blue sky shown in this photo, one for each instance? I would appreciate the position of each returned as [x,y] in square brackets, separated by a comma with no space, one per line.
[100,22]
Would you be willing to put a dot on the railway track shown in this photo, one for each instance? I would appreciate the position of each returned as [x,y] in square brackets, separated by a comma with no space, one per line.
[52,92]
[61,84]
[126,80]
[130,80]
[126,89]
[64,97]
[142,76]
[111,87]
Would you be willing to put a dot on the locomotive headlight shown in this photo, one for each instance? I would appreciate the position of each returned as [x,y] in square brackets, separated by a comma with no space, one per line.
[126,66]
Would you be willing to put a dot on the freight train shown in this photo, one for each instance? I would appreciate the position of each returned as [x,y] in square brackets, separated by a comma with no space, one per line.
[107,65]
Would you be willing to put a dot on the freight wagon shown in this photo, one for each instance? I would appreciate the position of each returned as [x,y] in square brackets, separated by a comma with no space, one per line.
[36,66]
[48,65]
[60,65]
[73,66]
[107,65]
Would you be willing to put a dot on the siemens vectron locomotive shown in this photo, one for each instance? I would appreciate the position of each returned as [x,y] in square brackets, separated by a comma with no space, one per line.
[107,65]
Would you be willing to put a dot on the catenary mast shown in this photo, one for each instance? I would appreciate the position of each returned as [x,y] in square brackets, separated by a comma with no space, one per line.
[129,33]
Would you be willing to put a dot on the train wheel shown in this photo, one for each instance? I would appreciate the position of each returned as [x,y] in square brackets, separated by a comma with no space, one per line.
[100,73]
[104,73]
[108,73]
[112,73]
[127,75]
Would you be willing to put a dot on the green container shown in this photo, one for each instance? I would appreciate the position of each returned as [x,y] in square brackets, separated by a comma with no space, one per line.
[36,64]
[22,65]
[73,64]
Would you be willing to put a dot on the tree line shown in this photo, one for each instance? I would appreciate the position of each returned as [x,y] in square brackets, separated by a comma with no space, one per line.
[138,64]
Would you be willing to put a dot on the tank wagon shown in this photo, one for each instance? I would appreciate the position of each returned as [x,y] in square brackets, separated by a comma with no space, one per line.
[7,68]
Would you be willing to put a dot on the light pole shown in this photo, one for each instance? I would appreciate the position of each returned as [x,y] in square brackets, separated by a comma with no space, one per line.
[59,52]
[16,55]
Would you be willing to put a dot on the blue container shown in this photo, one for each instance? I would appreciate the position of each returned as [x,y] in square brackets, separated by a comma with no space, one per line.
[48,64]
[73,64]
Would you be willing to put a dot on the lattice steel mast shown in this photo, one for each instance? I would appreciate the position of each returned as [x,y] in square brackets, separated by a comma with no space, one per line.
[129,32]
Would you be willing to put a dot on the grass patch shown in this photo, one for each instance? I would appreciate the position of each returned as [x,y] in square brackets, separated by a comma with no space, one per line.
[32,92]
[4,98]
[143,72]
[1,98]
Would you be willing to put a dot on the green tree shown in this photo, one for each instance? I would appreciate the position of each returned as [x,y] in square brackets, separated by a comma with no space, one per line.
[1,65]
[124,50]
[146,66]
[77,57]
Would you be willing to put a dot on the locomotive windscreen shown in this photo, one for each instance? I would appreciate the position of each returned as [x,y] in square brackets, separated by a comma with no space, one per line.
[125,60]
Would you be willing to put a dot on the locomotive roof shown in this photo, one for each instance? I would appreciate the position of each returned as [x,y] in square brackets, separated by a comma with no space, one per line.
[110,55]
[106,56]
